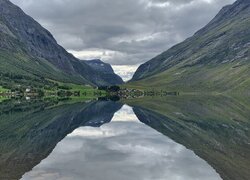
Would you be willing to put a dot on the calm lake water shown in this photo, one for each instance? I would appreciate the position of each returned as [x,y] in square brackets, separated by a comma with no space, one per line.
[176,138]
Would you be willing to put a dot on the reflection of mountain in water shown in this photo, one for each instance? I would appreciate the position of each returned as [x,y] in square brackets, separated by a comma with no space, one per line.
[29,134]
[215,128]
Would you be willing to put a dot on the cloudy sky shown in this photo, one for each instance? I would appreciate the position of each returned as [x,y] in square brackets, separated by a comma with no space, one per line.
[124,33]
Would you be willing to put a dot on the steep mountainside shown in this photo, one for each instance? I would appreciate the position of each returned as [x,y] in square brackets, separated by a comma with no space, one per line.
[107,71]
[215,58]
[27,49]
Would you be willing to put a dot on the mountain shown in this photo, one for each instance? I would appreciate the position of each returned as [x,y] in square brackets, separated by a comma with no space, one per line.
[29,51]
[216,58]
[107,71]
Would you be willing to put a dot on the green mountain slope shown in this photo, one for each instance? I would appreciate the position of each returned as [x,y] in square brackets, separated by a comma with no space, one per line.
[29,51]
[216,58]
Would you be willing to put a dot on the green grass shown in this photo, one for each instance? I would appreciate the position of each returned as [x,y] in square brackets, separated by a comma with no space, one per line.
[19,68]
[216,59]
[86,92]
[219,78]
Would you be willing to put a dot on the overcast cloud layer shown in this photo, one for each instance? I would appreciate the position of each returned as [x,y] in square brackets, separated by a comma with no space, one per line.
[121,32]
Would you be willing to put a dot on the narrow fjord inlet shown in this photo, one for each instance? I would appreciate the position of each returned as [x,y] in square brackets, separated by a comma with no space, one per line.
[67,111]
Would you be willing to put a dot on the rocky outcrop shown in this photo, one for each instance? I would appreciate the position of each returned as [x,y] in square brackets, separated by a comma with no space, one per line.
[107,71]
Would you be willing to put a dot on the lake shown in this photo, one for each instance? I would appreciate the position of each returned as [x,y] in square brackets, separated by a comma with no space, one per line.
[175,138]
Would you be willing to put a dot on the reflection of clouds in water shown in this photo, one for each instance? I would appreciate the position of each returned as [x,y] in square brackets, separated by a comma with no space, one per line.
[125,114]
[121,150]
[92,132]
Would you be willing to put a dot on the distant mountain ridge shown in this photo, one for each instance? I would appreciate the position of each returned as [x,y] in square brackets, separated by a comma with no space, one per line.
[107,71]
[100,65]
[22,38]
[215,58]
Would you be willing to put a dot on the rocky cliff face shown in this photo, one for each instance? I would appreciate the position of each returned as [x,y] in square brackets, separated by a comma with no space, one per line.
[21,33]
[219,48]
[107,71]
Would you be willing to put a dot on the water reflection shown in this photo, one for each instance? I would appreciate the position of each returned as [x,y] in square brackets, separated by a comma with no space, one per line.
[185,137]
[216,128]
[121,150]
[30,131]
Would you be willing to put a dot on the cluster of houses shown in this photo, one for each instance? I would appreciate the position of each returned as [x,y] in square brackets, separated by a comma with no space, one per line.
[136,93]
[19,92]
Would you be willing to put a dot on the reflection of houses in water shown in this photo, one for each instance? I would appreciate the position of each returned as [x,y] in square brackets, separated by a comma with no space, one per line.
[130,93]
[28,90]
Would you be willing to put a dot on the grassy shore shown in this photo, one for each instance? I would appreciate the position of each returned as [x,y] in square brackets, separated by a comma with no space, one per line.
[76,90]
[56,90]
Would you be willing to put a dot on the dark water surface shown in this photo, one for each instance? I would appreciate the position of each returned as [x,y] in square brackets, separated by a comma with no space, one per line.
[175,138]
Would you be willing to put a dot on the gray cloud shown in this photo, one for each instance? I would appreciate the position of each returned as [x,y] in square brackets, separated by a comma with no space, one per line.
[121,32]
